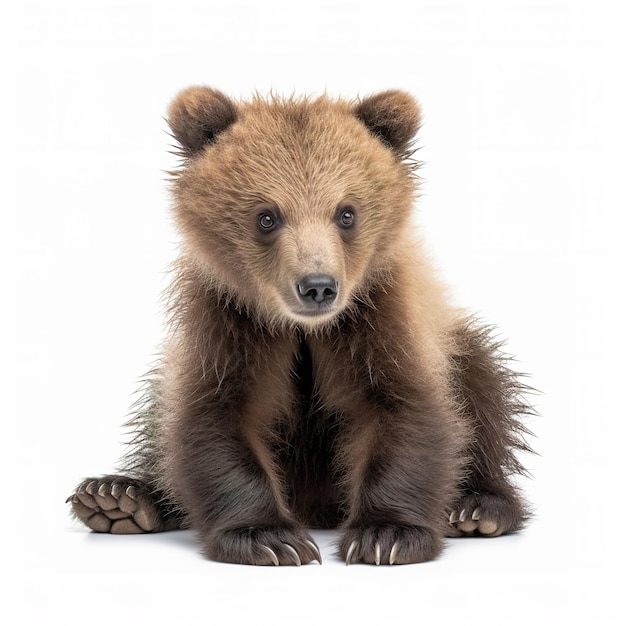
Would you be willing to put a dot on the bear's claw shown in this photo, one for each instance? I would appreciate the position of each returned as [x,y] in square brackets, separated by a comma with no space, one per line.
[272,554]
[264,545]
[468,525]
[294,553]
[485,515]
[389,544]
[316,550]
[351,550]
[393,553]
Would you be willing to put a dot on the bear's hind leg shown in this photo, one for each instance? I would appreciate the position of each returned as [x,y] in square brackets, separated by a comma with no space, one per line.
[491,401]
[121,505]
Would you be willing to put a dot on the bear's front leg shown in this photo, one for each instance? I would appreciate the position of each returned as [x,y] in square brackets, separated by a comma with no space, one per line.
[402,470]
[402,466]
[400,456]
[227,484]
[221,467]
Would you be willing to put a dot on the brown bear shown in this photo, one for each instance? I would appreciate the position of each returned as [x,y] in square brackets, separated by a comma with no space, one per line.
[315,375]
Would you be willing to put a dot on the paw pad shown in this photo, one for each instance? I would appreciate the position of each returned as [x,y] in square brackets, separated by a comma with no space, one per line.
[116,506]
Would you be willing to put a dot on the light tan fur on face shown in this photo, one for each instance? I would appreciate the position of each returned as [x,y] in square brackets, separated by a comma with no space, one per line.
[305,158]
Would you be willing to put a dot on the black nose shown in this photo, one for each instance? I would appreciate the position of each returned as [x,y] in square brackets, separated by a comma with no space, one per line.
[318,289]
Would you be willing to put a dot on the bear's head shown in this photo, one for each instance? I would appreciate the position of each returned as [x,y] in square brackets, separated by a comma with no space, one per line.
[294,208]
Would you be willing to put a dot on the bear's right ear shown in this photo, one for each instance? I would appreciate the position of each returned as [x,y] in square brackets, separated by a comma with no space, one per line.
[197,115]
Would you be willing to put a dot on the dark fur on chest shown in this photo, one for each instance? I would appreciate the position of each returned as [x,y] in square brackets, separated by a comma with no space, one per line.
[306,448]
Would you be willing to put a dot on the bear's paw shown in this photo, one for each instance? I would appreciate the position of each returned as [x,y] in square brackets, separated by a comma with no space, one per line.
[388,544]
[264,545]
[117,505]
[485,515]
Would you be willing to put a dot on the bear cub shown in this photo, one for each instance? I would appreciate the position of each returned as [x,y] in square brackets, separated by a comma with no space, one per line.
[314,375]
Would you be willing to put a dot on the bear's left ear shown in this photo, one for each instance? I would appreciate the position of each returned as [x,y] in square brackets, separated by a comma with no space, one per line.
[197,115]
[392,116]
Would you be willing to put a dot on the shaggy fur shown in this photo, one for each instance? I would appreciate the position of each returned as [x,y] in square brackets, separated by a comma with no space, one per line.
[314,375]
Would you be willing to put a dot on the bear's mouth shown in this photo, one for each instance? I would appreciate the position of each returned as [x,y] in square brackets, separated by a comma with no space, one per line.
[319,311]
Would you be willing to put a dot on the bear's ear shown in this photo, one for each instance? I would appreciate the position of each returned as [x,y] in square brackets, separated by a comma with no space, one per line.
[197,115]
[392,116]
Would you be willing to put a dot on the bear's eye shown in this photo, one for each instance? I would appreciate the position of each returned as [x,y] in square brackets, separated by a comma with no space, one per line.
[267,222]
[346,217]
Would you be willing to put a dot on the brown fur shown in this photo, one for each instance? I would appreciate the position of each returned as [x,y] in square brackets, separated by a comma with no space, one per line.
[382,410]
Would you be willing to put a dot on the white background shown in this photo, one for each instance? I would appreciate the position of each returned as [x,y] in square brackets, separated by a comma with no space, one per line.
[523,197]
